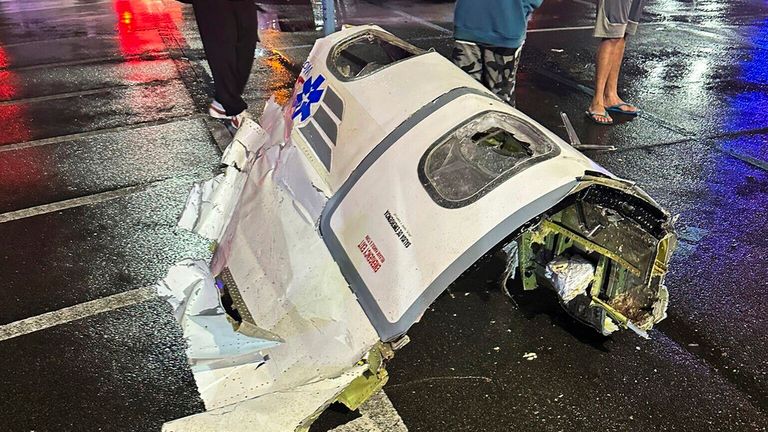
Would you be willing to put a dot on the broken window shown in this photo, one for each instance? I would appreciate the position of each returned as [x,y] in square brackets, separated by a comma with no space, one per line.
[368,53]
[480,155]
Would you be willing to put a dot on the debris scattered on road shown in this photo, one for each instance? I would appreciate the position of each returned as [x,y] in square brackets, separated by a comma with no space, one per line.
[576,142]
[318,273]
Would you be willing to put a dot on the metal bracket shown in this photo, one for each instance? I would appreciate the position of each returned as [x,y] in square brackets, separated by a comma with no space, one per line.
[576,142]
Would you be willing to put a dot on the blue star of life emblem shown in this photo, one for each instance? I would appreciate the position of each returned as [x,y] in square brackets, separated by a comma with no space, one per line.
[310,94]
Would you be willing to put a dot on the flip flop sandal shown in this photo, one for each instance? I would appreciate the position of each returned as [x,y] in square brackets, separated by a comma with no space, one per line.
[595,115]
[617,109]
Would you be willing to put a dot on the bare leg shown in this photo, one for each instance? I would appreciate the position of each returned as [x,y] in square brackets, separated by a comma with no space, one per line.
[603,68]
[611,92]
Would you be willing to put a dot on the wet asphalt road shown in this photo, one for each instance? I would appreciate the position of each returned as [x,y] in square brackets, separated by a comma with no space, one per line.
[101,102]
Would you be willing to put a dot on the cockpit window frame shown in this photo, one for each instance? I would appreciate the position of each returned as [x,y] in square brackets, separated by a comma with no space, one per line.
[345,43]
[455,204]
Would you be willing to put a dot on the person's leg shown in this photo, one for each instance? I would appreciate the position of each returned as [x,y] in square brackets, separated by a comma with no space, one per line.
[606,72]
[468,57]
[500,71]
[218,30]
[611,91]
[610,26]
[612,86]
[247,37]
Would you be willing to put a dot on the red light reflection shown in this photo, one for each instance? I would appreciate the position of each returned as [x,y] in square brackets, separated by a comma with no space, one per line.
[17,173]
[14,125]
[140,22]
[3,58]
[140,25]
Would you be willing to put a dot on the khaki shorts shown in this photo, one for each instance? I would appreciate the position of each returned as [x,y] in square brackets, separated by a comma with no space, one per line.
[618,18]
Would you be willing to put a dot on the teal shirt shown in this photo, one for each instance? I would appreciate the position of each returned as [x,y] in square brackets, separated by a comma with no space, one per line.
[500,23]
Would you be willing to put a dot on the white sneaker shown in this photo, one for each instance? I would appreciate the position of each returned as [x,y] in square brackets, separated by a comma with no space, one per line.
[216,110]
[237,120]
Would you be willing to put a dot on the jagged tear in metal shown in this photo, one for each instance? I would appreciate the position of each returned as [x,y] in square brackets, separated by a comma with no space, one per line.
[341,217]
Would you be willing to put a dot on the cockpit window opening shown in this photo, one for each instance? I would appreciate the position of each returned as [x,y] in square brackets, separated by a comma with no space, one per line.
[368,53]
[479,155]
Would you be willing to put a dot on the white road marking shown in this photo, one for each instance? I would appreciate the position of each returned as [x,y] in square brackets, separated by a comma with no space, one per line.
[77,38]
[81,93]
[554,29]
[584,2]
[423,22]
[74,313]
[72,203]
[703,33]
[305,46]
[745,158]
[45,8]
[293,47]
[156,55]
[74,136]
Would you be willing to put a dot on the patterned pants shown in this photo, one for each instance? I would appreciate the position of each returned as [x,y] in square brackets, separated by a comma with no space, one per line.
[494,67]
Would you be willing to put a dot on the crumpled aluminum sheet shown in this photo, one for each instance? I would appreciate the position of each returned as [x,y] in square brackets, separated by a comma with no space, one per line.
[263,214]
[211,341]
[570,276]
